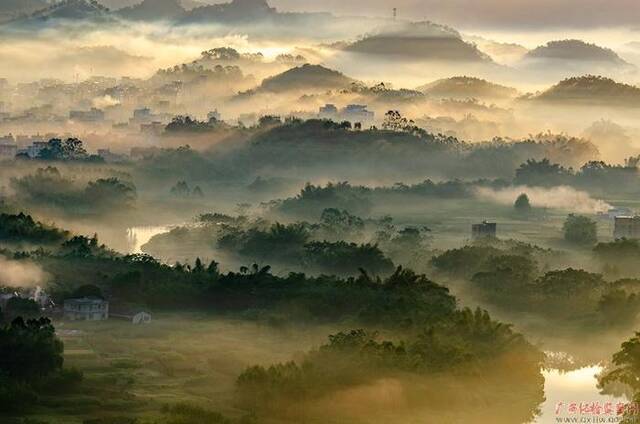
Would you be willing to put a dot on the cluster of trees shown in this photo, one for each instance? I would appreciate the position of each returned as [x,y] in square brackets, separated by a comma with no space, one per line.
[580,230]
[515,280]
[313,145]
[596,177]
[182,189]
[23,228]
[31,364]
[400,299]
[358,199]
[186,124]
[401,148]
[71,149]
[49,188]
[619,258]
[625,370]
[313,200]
[18,306]
[464,343]
[294,245]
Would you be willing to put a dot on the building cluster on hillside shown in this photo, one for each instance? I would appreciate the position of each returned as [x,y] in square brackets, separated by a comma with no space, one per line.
[24,145]
[352,113]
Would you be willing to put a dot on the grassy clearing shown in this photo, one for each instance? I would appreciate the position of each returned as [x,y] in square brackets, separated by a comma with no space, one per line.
[135,370]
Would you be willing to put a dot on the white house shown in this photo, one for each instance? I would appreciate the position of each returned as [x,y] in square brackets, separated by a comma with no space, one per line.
[87,309]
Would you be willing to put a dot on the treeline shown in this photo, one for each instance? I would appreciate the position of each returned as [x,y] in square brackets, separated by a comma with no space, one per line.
[31,364]
[334,150]
[49,188]
[23,228]
[517,278]
[595,177]
[469,345]
[337,243]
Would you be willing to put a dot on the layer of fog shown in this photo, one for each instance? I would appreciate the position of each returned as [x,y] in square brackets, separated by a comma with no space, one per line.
[20,273]
[70,52]
[560,197]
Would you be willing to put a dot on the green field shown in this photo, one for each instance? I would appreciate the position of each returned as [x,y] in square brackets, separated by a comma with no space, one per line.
[135,370]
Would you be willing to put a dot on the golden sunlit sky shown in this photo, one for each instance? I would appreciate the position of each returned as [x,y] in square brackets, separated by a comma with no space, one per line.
[513,14]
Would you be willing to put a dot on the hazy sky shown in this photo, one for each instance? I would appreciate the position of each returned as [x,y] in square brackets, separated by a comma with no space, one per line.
[507,14]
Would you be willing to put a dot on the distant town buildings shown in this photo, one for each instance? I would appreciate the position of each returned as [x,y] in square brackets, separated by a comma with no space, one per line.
[214,115]
[615,212]
[328,111]
[8,147]
[626,227]
[111,157]
[86,309]
[152,128]
[91,115]
[142,115]
[485,229]
[352,113]
[357,113]
[149,123]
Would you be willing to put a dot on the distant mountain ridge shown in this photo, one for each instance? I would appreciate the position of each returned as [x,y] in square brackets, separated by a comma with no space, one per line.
[467,87]
[421,41]
[177,11]
[575,50]
[306,77]
[591,90]
[19,7]
[151,10]
[71,10]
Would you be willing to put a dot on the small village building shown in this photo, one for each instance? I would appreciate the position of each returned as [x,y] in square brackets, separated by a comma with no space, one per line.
[485,229]
[86,309]
[626,227]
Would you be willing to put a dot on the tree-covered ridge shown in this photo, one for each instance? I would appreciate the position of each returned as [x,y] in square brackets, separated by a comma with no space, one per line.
[525,278]
[467,87]
[50,188]
[308,78]
[23,228]
[592,89]
[575,50]
[419,41]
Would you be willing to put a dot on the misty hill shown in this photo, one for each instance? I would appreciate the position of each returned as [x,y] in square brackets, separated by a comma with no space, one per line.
[13,8]
[154,10]
[419,41]
[72,10]
[235,11]
[463,87]
[575,50]
[190,4]
[306,78]
[121,4]
[592,89]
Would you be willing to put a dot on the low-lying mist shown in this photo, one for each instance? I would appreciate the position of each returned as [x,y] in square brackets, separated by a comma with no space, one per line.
[561,197]
[20,274]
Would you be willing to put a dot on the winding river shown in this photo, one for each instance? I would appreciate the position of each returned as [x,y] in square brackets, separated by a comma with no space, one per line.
[139,236]
[577,386]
